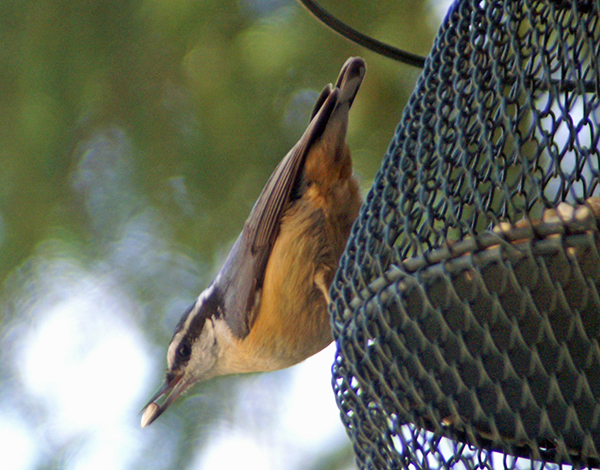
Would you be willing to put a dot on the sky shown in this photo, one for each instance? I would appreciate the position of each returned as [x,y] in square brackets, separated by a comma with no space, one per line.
[78,369]
[88,368]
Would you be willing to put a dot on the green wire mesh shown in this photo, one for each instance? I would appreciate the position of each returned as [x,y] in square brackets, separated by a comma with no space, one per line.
[466,309]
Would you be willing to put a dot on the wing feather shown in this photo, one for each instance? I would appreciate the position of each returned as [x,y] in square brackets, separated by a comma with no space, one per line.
[240,280]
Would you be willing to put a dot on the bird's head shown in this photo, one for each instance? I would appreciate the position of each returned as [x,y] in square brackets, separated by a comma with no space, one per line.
[193,353]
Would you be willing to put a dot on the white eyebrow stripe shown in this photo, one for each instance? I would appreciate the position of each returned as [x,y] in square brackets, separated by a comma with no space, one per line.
[172,348]
[199,301]
[191,316]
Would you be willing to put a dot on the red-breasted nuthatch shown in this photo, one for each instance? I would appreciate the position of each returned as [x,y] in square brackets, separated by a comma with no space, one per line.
[267,307]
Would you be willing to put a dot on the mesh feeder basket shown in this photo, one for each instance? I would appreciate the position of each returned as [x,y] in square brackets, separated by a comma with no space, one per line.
[466,309]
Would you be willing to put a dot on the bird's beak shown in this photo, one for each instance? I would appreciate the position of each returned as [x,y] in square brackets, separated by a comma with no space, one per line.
[173,387]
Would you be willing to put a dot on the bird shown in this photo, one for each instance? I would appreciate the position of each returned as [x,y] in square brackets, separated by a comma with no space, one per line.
[267,308]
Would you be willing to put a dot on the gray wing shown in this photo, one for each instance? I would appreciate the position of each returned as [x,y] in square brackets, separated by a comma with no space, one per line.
[240,280]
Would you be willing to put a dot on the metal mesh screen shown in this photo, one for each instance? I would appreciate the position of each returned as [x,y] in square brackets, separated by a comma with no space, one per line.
[466,308]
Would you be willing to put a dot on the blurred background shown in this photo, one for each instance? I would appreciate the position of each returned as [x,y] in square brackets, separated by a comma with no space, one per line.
[134,139]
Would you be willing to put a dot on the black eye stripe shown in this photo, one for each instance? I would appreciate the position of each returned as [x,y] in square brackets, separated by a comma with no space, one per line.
[210,306]
[184,351]
[192,324]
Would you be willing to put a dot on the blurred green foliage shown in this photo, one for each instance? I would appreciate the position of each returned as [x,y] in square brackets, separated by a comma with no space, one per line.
[204,89]
[200,98]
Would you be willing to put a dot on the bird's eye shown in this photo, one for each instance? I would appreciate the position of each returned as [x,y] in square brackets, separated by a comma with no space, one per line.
[184,351]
